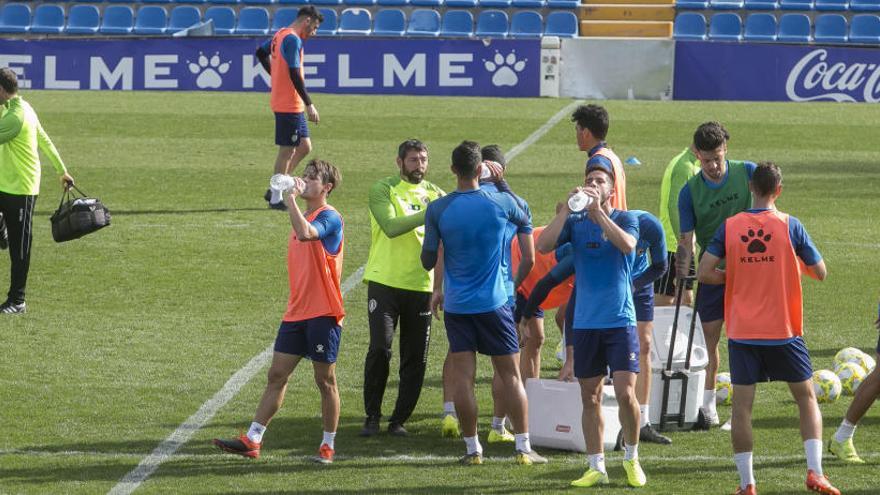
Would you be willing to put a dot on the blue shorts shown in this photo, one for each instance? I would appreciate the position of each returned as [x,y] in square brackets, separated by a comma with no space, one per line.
[315,338]
[750,363]
[643,300]
[518,308]
[710,302]
[597,350]
[492,333]
[290,128]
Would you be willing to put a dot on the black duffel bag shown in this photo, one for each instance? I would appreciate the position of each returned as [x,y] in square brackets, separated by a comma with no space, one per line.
[77,216]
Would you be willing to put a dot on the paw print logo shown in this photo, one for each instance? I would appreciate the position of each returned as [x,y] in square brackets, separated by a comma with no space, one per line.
[756,241]
[209,71]
[505,69]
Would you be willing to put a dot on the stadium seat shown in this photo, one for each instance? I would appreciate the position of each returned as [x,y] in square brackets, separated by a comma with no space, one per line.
[563,4]
[760,27]
[424,22]
[796,4]
[356,21]
[118,19]
[864,5]
[182,17]
[359,3]
[562,24]
[223,18]
[48,19]
[426,3]
[252,20]
[457,24]
[233,2]
[389,22]
[15,18]
[689,26]
[692,4]
[494,4]
[328,27]
[526,24]
[864,28]
[467,4]
[528,4]
[726,4]
[760,5]
[151,19]
[293,2]
[83,19]
[794,28]
[725,27]
[190,1]
[393,3]
[831,5]
[492,23]
[830,28]
[283,17]
[326,2]
[156,1]
[258,2]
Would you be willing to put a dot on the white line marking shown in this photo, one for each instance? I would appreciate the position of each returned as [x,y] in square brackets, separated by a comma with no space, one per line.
[131,481]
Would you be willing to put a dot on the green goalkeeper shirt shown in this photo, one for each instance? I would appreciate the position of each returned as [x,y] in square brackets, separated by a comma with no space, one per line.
[21,139]
[397,222]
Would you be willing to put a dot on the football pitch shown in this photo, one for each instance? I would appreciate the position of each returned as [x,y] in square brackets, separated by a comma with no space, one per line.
[136,335]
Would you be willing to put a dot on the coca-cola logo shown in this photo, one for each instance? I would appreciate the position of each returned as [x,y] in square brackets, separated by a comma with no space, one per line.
[814,78]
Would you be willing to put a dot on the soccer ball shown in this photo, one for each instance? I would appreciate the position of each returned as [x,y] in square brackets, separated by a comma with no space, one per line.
[826,385]
[870,363]
[847,355]
[723,389]
[851,376]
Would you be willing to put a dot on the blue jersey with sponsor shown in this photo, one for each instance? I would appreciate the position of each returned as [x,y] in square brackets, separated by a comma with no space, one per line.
[472,226]
[603,274]
[651,246]
[509,233]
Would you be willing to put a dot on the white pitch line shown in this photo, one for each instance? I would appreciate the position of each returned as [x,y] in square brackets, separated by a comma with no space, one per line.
[131,481]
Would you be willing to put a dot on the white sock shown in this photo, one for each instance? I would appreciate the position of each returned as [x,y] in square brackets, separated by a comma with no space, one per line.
[597,462]
[255,433]
[276,195]
[813,449]
[630,452]
[644,416]
[743,462]
[473,444]
[328,438]
[845,431]
[498,423]
[449,408]
[709,400]
[522,442]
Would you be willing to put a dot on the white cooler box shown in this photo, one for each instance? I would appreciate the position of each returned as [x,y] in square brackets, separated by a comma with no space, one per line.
[663,318]
[555,410]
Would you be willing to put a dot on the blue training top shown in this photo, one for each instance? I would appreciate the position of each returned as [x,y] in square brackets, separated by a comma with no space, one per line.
[290,47]
[509,233]
[328,223]
[651,242]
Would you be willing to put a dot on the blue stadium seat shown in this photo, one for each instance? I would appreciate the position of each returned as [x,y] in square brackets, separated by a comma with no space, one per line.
[864,5]
[155,1]
[830,28]
[864,28]
[526,24]
[426,3]
[224,19]
[226,2]
[151,19]
[393,3]
[494,4]
[83,19]
[467,4]
[562,24]
[252,20]
[689,26]
[15,18]
[725,27]
[389,22]
[692,4]
[118,19]
[457,24]
[356,21]
[182,17]
[760,27]
[492,23]
[726,4]
[293,2]
[119,1]
[258,2]
[283,17]
[831,5]
[359,3]
[529,4]
[424,22]
[796,4]
[48,19]
[330,24]
[190,1]
[563,4]
[326,2]
[760,5]
[794,28]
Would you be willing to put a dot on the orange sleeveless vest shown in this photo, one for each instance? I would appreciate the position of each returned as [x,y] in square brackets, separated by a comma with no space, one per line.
[284,98]
[619,200]
[543,264]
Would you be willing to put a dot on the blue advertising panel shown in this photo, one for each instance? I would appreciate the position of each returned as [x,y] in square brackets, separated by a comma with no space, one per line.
[364,66]
[773,72]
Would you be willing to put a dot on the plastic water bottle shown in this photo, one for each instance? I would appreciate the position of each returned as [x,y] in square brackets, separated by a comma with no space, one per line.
[281,182]
[485,173]
[579,201]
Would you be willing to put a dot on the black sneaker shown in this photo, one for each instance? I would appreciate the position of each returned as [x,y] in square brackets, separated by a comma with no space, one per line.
[4,239]
[371,426]
[397,430]
[10,307]
[618,444]
[268,196]
[650,435]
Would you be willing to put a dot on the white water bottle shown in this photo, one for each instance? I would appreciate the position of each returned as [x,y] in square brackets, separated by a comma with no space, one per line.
[578,201]
[485,173]
[281,182]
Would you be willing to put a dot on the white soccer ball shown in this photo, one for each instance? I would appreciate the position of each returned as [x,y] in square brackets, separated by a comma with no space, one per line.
[723,389]
[870,363]
[851,376]
[847,355]
[827,386]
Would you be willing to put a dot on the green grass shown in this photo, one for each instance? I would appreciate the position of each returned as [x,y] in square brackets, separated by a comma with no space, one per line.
[132,329]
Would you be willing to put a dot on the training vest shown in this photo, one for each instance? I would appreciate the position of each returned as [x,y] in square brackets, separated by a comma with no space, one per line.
[314,276]
[544,262]
[284,98]
[713,206]
[762,295]
[619,200]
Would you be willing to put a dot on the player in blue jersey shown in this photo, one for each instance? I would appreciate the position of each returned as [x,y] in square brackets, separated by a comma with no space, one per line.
[470,225]
[604,321]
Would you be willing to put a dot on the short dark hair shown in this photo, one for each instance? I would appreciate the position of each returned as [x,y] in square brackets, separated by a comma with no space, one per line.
[326,171]
[493,153]
[710,135]
[410,145]
[593,118]
[8,80]
[465,159]
[600,168]
[311,12]
[766,178]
